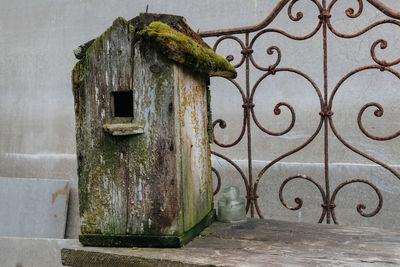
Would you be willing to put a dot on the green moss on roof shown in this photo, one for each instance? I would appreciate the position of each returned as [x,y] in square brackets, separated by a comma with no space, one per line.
[182,49]
[175,45]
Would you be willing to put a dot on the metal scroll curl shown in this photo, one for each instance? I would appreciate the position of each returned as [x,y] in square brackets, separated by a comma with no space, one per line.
[298,200]
[277,108]
[298,17]
[383,45]
[351,14]
[360,207]
[230,57]
[378,113]
[379,108]
[271,50]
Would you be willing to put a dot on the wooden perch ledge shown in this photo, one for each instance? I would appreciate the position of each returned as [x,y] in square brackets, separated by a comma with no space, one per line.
[123,128]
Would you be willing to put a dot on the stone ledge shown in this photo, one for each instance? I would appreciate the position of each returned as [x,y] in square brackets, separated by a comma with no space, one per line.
[34,252]
[258,243]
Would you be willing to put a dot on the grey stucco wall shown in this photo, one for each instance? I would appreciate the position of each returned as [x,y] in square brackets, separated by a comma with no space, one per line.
[37,136]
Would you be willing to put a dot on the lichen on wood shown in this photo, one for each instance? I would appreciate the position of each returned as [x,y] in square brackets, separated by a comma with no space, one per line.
[182,49]
[102,168]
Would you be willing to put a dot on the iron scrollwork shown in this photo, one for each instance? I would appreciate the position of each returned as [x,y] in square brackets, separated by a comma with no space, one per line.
[325,99]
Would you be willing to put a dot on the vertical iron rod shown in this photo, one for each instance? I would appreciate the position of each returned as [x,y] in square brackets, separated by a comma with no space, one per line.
[326,144]
[250,164]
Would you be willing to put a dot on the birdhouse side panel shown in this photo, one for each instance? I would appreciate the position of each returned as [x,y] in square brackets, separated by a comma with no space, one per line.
[154,199]
[195,153]
[103,159]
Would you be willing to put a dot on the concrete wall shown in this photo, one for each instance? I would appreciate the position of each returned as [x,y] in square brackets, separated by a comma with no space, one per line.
[33,252]
[37,136]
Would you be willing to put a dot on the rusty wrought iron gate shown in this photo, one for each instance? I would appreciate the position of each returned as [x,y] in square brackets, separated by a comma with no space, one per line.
[325,100]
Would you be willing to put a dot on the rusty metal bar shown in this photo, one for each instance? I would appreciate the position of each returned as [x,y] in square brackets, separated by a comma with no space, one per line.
[248,29]
[325,112]
[384,9]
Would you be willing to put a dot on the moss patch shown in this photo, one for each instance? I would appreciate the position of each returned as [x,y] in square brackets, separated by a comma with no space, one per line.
[182,49]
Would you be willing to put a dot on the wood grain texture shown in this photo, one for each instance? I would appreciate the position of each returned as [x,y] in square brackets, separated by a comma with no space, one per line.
[195,158]
[102,158]
[261,243]
[154,203]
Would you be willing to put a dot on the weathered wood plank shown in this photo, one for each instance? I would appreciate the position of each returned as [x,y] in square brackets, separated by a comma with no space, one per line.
[263,243]
[102,158]
[195,158]
[154,203]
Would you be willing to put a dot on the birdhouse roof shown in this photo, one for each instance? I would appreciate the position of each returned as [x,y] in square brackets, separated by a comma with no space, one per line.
[172,37]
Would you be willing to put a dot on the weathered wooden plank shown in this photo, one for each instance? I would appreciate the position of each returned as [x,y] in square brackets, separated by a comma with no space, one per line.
[154,203]
[262,243]
[102,158]
[195,158]
[77,257]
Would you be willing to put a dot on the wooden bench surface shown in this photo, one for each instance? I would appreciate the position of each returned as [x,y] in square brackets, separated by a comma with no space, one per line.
[258,243]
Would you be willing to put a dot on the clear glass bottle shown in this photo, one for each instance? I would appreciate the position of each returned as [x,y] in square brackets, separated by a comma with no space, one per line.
[231,207]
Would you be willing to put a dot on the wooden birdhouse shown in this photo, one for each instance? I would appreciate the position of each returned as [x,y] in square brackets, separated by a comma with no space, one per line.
[143,133]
